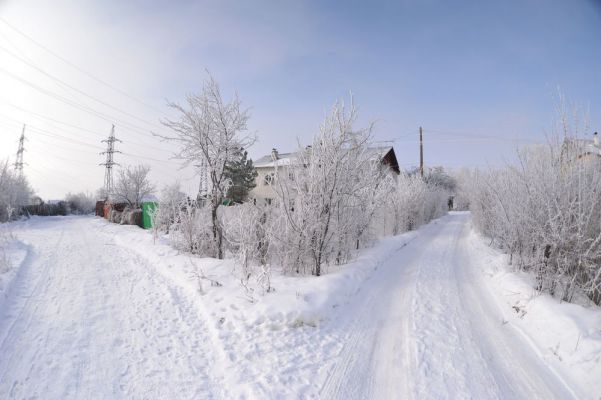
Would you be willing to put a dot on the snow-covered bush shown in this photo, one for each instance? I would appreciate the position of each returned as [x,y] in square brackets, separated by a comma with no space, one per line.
[81,203]
[546,214]
[245,232]
[193,231]
[412,202]
[327,197]
[14,192]
[171,201]
[464,178]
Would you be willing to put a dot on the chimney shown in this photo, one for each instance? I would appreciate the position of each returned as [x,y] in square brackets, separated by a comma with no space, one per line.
[274,154]
[596,139]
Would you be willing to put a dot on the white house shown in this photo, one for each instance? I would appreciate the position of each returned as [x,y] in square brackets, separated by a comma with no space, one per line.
[266,166]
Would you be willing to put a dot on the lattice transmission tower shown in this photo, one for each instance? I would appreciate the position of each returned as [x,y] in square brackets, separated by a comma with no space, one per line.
[203,172]
[109,163]
[19,159]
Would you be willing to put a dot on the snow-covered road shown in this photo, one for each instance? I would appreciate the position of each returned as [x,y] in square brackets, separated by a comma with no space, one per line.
[426,327]
[90,320]
[87,318]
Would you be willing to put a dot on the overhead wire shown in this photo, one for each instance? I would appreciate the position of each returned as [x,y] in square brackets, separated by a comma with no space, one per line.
[76,67]
[102,135]
[117,121]
[123,124]
[71,141]
[81,92]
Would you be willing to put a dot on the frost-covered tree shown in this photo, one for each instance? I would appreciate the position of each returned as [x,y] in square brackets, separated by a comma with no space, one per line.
[438,177]
[326,197]
[15,192]
[210,132]
[544,211]
[133,185]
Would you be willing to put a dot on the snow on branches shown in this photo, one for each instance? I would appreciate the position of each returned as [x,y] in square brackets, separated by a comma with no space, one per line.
[332,197]
[15,192]
[327,196]
[133,185]
[544,211]
[210,133]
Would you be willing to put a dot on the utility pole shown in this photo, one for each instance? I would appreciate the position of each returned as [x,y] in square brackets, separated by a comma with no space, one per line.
[19,160]
[421,152]
[108,173]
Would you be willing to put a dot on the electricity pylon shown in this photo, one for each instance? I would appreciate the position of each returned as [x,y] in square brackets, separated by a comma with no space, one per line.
[19,160]
[109,163]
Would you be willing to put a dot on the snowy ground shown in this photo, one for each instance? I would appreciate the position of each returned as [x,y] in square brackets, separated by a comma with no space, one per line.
[92,310]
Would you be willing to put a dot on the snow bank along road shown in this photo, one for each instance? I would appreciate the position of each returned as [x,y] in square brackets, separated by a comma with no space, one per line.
[88,319]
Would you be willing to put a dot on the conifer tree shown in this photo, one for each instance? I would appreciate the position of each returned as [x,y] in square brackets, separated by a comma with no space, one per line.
[242,174]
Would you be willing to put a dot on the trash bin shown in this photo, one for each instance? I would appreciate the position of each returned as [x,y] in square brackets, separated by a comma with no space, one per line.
[148,208]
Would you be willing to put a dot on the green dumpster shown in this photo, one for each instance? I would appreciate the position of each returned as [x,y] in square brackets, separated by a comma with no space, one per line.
[148,208]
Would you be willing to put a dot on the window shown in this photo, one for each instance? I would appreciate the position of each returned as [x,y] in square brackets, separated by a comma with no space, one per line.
[268,180]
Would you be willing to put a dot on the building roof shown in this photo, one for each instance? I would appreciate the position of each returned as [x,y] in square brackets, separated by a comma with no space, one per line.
[376,152]
[267,161]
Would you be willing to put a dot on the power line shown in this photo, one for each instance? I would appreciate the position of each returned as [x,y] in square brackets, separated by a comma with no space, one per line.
[43,174]
[74,66]
[45,132]
[479,135]
[42,116]
[62,82]
[52,119]
[101,115]
[72,141]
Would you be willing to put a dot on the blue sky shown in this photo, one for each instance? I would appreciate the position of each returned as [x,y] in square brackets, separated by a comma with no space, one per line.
[475,75]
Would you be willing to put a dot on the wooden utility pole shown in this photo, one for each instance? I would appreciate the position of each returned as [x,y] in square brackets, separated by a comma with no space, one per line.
[421,152]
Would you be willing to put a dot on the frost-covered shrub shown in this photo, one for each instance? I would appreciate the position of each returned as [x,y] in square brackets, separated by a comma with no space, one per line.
[413,202]
[81,203]
[192,232]
[545,212]
[245,233]
[171,201]
[14,192]
[465,179]
[326,197]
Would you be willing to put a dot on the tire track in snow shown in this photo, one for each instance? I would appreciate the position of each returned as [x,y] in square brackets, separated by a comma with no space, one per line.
[7,346]
[370,326]
[104,325]
[423,327]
